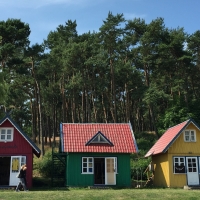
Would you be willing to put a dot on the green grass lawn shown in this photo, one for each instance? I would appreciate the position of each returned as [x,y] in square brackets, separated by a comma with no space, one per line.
[97,194]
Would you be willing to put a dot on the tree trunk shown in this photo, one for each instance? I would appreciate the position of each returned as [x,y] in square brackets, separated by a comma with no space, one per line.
[104,109]
[39,108]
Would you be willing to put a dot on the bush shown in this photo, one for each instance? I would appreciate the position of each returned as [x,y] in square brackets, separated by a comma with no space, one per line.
[44,165]
[138,163]
[138,167]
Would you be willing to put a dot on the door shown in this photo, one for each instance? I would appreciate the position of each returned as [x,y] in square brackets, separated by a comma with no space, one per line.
[110,171]
[99,171]
[15,164]
[4,170]
[192,171]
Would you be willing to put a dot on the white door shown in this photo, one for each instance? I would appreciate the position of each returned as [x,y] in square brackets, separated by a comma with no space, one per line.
[110,171]
[192,171]
[15,164]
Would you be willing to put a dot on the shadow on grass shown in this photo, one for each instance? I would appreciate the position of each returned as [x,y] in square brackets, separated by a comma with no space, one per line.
[45,184]
[49,189]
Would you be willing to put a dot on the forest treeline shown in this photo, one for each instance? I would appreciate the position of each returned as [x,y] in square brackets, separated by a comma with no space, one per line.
[129,71]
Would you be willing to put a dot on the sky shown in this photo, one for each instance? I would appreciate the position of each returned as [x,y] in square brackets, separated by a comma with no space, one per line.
[44,16]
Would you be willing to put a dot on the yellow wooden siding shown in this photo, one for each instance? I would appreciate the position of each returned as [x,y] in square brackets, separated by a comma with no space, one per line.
[182,148]
[161,170]
[186,148]
[163,163]
[176,180]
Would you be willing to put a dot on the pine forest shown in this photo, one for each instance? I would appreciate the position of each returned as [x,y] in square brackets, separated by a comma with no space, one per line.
[129,71]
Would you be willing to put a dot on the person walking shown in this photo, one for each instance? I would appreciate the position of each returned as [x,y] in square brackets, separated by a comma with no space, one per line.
[22,178]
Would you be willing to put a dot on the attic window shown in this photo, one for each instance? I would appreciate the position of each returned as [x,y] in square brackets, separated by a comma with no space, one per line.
[99,138]
[6,134]
[190,136]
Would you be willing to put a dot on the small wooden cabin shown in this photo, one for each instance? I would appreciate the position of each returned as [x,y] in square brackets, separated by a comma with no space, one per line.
[176,156]
[16,149]
[98,154]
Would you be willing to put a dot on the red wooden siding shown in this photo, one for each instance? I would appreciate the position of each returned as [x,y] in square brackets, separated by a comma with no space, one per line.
[18,146]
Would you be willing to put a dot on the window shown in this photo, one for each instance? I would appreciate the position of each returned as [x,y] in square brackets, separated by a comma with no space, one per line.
[87,165]
[23,160]
[17,162]
[179,165]
[99,139]
[6,134]
[190,136]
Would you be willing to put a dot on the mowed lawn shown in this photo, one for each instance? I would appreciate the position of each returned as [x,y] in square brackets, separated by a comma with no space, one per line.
[97,194]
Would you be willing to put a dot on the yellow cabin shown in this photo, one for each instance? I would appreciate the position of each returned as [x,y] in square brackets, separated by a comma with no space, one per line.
[176,156]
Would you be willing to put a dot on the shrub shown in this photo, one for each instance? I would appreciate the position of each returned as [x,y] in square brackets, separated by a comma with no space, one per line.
[138,167]
[138,163]
[44,165]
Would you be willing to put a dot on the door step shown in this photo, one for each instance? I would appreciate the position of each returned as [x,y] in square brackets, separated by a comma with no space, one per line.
[7,187]
[99,187]
[193,187]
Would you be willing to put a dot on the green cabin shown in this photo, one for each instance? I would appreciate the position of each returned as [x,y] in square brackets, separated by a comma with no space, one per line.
[98,154]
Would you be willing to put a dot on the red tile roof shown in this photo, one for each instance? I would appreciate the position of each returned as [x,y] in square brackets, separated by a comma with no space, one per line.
[168,138]
[75,137]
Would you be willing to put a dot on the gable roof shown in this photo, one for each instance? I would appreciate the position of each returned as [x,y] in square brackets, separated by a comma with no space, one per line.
[75,137]
[168,138]
[36,150]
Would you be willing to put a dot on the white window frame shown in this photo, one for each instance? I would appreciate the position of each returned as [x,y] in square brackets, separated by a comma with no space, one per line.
[6,129]
[116,170]
[181,160]
[23,160]
[88,164]
[190,135]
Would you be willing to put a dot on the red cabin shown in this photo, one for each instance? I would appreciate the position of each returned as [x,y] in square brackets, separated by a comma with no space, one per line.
[16,149]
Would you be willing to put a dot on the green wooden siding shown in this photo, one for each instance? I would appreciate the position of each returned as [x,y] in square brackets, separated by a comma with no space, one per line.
[74,164]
